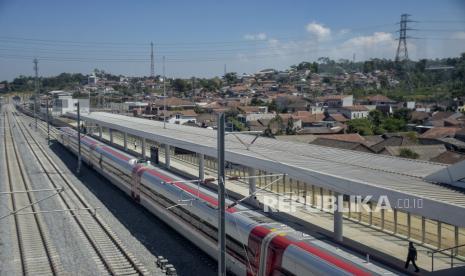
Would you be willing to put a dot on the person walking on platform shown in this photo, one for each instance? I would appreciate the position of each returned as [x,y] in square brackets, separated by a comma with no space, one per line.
[411,257]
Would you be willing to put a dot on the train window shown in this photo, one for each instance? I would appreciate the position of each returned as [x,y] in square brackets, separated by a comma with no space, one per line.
[279,272]
[258,219]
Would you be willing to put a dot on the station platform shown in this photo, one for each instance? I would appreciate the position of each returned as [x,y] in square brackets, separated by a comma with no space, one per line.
[379,245]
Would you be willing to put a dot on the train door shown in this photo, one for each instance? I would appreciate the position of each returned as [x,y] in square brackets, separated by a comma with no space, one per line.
[135,179]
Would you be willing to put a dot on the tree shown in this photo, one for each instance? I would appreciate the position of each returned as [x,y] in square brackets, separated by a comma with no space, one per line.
[275,123]
[231,113]
[376,117]
[230,77]
[290,129]
[360,126]
[236,124]
[408,153]
[198,109]
[272,106]
[403,114]
[181,85]
[394,125]
[257,102]
[412,135]
[383,81]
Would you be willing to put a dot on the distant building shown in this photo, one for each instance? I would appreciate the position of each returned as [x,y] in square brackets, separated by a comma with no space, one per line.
[283,101]
[131,106]
[378,100]
[179,117]
[410,105]
[92,80]
[316,109]
[64,104]
[173,103]
[59,93]
[253,113]
[332,101]
[355,112]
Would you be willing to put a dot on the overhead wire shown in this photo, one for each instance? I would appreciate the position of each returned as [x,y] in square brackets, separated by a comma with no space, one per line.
[177,52]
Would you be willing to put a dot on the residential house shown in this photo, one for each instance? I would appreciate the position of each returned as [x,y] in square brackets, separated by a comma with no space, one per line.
[283,101]
[392,140]
[419,117]
[439,132]
[311,120]
[343,141]
[425,152]
[335,101]
[444,118]
[253,113]
[179,117]
[354,112]
[207,119]
[336,117]
[378,100]
[173,103]
[314,109]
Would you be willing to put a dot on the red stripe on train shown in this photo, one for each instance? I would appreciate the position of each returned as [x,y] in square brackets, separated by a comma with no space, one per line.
[115,153]
[189,189]
[280,243]
[332,259]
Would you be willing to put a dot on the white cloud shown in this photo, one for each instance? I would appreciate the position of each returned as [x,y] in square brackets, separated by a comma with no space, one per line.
[319,30]
[458,35]
[259,36]
[343,31]
[370,40]
[378,44]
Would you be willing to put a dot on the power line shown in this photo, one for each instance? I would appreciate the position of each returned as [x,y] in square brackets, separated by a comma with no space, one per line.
[135,53]
[441,21]
[290,52]
[169,44]
[144,53]
[440,30]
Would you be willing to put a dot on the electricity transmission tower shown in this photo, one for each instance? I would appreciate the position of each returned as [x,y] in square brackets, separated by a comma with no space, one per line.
[152,64]
[402,52]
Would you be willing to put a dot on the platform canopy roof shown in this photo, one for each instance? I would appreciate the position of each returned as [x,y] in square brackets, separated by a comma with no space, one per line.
[348,172]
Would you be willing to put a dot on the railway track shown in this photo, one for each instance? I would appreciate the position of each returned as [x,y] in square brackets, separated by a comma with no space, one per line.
[107,250]
[36,252]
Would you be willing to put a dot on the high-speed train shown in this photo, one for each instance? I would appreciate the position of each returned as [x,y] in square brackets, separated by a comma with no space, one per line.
[256,245]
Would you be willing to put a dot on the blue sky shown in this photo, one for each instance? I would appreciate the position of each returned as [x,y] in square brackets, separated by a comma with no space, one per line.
[199,37]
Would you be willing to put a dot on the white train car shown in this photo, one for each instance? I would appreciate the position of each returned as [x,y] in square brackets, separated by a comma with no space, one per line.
[256,245]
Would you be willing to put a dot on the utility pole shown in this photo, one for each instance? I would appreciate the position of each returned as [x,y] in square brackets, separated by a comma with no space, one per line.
[402,52]
[164,94]
[48,124]
[36,69]
[78,170]
[193,90]
[221,198]
[152,63]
